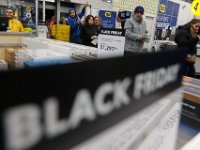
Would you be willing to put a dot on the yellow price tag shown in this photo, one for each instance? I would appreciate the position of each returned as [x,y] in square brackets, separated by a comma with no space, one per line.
[195,8]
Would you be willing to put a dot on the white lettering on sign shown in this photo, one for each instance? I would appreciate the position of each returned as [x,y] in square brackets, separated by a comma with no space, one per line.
[162,25]
[105,31]
[23,125]
[53,125]
[146,83]
[163,19]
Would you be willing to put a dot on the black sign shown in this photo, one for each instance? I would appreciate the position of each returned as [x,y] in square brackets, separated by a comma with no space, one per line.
[58,107]
[110,31]
[123,15]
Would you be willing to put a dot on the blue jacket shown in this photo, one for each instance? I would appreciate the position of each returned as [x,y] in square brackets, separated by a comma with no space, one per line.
[74,27]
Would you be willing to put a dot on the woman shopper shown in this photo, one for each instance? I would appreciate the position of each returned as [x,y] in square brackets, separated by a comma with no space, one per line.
[187,37]
[89,32]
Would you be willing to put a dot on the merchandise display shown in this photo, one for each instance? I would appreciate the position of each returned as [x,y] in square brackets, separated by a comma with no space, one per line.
[38,55]
[46,52]
[191,98]
[148,129]
[81,101]
[3,65]
[47,62]
[66,47]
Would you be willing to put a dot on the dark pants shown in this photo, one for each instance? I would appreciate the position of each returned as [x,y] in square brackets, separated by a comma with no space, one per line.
[123,24]
[189,70]
[128,53]
[75,40]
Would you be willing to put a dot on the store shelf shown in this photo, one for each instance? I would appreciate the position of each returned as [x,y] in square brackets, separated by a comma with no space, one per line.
[10,44]
[15,33]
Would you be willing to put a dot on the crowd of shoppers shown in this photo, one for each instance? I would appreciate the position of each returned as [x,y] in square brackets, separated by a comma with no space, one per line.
[86,32]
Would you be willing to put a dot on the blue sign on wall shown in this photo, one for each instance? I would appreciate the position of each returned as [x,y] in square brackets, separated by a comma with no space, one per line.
[169,16]
[108,18]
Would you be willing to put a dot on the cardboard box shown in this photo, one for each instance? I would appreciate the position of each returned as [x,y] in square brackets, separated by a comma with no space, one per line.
[164,136]
[10,56]
[140,131]
[191,98]
[3,65]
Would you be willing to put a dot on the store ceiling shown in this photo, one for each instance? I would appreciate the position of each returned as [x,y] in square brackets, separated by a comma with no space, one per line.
[108,1]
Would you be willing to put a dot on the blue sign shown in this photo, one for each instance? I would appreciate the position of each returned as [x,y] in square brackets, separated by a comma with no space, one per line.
[168,17]
[108,18]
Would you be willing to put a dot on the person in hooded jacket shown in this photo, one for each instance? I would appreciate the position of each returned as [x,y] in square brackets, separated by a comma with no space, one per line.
[187,38]
[136,32]
[14,24]
[74,20]
[89,31]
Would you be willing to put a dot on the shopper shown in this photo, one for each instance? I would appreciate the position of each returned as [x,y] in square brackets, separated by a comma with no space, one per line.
[136,32]
[89,32]
[187,38]
[74,20]
[50,25]
[64,21]
[14,24]
[97,22]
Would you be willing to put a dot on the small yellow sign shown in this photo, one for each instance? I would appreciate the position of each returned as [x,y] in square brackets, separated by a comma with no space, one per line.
[108,14]
[28,29]
[195,8]
[162,8]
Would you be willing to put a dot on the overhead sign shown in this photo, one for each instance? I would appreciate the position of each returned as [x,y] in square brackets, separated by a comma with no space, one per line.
[59,107]
[108,18]
[111,43]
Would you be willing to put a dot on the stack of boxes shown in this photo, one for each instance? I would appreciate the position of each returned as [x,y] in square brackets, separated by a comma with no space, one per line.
[3,65]
[154,128]
[61,32]
[54,30]
[35,49]
[41,57]
[191,98]
[2,54]
[10,58]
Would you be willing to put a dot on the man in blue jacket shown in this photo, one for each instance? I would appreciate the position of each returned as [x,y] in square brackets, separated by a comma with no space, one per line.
[74,20]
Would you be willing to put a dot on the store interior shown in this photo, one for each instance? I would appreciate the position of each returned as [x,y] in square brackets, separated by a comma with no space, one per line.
[68,84]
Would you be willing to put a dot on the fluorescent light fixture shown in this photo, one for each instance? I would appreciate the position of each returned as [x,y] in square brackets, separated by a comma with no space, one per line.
[107,1]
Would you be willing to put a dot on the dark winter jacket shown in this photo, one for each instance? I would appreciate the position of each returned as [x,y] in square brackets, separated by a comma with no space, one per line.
[98,28]
[86,33]
[184,39]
